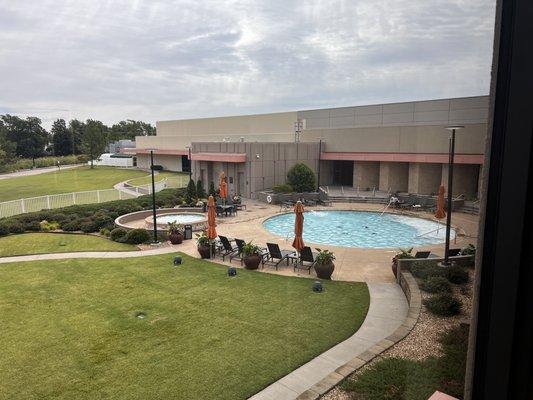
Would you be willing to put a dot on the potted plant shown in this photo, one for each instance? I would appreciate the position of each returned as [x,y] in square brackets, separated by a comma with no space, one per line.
[175,233]
[203,245]
[251,255]
[404,253]
[324,266]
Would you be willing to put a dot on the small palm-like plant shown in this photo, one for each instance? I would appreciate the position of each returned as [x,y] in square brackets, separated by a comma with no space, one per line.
[250,249]
[324,256]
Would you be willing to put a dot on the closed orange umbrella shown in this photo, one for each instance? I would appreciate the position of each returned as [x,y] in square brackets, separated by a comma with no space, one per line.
[298,242]
[223,186]
[211,216]
[440,213]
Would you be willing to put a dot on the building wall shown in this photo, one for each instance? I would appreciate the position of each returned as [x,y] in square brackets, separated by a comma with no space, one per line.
[169,163]
[465,179]
[424,178]
[393,176]
[366,174]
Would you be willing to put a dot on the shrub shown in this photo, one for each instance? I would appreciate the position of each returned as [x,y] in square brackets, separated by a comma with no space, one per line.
[200,192]
[469,250]
[118,234]
[105,232]
[59,217]
[301,178]
[190,194]
[33,226]
[443,304]
[88,226]
[424,270]
[457,275]
[436,284]
[137,236]
[15,227]
[282,188]
[4,230]
[48,226]
[212,190]
[71,226]
[157,167]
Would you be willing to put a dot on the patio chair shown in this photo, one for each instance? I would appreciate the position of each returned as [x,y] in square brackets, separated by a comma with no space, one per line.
[409,203]
[307,260]
[227,248]
[422,254]
[238,254]
[454,252]
[275,256]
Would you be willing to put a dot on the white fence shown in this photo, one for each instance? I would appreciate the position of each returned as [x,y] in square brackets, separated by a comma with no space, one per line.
[49,202]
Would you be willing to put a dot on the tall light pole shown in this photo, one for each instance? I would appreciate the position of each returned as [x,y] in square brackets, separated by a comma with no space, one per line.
[154,213]
[452,129]
[190,164]
[318,169]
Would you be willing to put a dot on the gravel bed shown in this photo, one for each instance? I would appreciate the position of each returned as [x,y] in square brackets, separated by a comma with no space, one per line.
[422,342]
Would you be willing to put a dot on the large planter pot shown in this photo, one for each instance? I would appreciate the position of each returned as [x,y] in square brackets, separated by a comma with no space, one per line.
[324,271]
[205,251]
[252,262]
[175,238]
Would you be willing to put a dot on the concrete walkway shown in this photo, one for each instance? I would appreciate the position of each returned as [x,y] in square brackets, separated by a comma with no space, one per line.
[37,171]
[387,312]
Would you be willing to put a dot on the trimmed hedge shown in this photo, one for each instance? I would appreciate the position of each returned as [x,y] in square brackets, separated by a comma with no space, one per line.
[4,230]
[118,234]
[285,188]
[436,284]
[90,217]
[424,270]
[443,304]
[137,236]
[457,275]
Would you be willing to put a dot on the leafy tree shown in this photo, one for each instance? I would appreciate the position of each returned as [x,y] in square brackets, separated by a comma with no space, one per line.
[61,138]
[190,194]
[129,129]
[76,129]
[212,190]
[200,192]
[29,136]
[94,139]
[7,148]
[301,178]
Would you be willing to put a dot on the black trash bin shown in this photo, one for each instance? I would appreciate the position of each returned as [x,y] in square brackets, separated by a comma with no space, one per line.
[187,232]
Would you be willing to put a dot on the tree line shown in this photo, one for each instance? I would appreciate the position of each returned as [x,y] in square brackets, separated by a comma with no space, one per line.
[26,138]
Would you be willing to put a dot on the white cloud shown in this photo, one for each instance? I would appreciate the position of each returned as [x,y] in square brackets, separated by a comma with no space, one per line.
[155,60]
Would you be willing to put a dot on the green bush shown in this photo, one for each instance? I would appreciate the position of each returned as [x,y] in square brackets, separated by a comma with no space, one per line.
[88,226]
[436,284]
[425,269]
[15,227]
[190,194]
[457,274]
[282,188]
[105,232]
[59,217]
[118,234]
[32,226]
[72,226]
[49,226]
[443,304]
[200,192]
[4,230]
[301,178]
[137,236]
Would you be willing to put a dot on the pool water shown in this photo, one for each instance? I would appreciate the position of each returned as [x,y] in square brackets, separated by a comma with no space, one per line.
[360,229]
[180,218]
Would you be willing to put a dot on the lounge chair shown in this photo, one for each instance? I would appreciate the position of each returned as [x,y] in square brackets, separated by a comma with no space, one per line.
[422,254]
[238,254]
[454,252]
[307,259]
[227,248]
[275,256]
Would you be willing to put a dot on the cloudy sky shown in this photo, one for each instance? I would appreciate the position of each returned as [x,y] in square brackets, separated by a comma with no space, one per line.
[154,60]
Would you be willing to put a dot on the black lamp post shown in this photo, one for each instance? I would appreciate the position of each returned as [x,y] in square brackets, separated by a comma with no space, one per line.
[318,169]
[153,196]
[452,129]
[190,164]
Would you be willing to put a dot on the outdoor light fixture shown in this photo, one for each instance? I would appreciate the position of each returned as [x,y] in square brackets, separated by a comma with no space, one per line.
[317,287]
[177,260]
[232,271]
[452,129]
[153,195]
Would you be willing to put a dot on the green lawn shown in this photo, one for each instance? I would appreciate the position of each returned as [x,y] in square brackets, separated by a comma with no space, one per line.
[38,243]
[171,176]
[65,181]
[70,331]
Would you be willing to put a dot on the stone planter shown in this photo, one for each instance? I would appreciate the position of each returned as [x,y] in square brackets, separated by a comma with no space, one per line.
[205,251]
[252,261]
[324,271]
[175,238]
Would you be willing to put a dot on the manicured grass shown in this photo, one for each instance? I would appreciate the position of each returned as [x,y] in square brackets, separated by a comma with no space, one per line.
[70,331]
[39,243]
[65,181]
[402,379]
[171,176]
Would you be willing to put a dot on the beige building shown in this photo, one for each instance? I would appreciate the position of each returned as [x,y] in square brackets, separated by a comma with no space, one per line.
[399,147]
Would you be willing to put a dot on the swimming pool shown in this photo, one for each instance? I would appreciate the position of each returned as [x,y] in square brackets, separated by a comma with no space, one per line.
[360,229]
